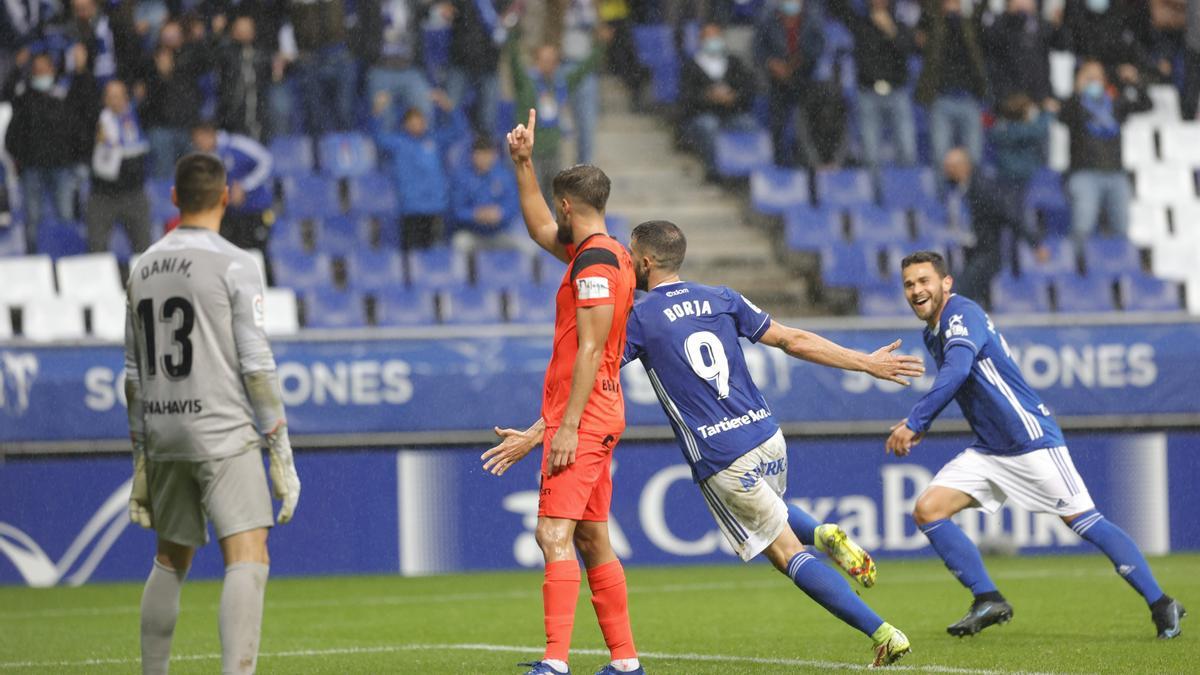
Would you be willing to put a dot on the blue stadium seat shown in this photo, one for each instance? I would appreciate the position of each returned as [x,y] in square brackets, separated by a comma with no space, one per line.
[471,305]
[654,43]
[404,307]
[300,270]
[292,233]
[372,193]
[810,228]
[436,268]
[58,239]
[550,269]
[1111,256]
[346,153]
[931,225]
[908,187]
[774,189]
[1075,293]
[847,264]
[503,268]
[617,225]
[311,196]
[342,235]
[844,187]
[882,300]
[291,155]
[876,225]
[328,307]
[738,153]
[1020,295]
[158,192]
[1062,260]
[375,269]
[1144,293]
[1045,195]
[531,303]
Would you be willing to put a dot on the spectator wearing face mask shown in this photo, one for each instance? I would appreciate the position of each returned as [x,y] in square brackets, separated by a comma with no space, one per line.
[716,90]
[1093,116]
[39,142]
[953,81]
[788,40]
[881,49]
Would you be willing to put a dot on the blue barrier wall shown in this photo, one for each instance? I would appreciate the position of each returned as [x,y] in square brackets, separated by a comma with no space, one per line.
[64,520]
[1097,373]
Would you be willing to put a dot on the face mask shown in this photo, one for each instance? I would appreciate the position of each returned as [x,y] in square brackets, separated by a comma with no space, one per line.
[1098,6]
[42,82]
[790,7]
[714,46]
[1093,89]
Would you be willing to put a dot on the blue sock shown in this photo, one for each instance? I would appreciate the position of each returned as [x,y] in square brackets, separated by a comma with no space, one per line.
[1120,549]
[825,585]
[802,524]
[960,555]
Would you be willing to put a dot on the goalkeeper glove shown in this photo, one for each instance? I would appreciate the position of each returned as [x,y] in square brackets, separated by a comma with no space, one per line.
[284,480]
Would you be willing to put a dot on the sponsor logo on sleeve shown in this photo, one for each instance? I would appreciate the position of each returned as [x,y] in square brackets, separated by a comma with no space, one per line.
[955,327]
[591,288]
[260,318]
[751,305]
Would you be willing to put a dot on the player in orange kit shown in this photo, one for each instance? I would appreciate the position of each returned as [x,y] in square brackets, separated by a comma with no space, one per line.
[583,412]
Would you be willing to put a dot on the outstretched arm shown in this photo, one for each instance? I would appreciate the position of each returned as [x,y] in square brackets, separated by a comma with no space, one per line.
[512,448]
[539,221]
[954,371]
[883,363]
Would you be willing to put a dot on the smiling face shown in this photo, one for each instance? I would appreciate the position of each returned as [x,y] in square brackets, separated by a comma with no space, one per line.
[926,290]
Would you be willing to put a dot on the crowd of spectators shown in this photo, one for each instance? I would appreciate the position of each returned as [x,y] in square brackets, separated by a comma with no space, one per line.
[108,94]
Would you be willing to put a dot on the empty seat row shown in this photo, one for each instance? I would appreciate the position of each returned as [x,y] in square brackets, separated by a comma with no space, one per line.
[773,189]
[348,308]
[374,269]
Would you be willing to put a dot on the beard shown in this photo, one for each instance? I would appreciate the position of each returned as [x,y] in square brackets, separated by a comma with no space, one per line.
[641,277]
[565,236]
[932,307]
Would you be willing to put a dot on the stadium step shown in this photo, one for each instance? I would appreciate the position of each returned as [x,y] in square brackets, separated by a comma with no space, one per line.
[653,180]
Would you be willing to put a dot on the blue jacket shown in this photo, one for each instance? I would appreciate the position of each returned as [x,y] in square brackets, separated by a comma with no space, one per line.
[416,168]
[249,163]
[472,190]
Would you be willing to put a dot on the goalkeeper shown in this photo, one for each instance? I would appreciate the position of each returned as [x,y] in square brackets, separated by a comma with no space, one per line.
[199,374]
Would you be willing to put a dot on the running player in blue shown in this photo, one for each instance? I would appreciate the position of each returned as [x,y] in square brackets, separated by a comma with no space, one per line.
[687,337]
[1018,452]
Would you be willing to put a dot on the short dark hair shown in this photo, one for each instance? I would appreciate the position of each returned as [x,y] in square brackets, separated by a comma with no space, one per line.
[199,182]
[584,182]
[664,241]
[482,143]
[932,257]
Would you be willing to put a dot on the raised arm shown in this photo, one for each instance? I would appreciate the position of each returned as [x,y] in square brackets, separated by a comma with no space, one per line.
[883,363]
[539,220]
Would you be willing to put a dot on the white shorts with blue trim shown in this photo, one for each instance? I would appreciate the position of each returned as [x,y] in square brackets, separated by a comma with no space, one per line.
[1042,481]
[746,499]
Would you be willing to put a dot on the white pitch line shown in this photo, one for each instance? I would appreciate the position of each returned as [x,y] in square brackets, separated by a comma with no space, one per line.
[449,598]
[391,649]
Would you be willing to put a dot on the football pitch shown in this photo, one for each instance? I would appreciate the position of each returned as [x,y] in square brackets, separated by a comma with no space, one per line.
[1072,614]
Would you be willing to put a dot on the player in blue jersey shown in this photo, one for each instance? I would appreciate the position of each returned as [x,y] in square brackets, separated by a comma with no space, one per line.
[687,337]
[1018,452]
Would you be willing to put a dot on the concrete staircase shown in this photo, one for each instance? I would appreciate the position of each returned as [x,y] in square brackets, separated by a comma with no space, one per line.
[652,181]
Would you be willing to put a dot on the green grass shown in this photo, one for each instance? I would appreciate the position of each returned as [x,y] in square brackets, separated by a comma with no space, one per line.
[1073,614]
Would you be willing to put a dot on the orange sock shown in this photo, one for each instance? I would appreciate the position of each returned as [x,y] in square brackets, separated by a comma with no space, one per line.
[560,591]
[609,597]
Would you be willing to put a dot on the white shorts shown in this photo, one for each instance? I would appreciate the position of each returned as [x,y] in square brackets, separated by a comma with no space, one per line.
[746,498]
[1042,481]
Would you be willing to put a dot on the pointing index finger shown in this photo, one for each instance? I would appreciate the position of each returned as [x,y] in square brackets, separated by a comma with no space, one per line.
[532,119]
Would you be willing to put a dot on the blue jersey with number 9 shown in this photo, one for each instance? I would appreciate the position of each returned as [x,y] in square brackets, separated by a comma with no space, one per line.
[686,336]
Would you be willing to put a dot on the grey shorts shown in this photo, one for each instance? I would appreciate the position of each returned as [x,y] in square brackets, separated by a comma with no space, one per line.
[231,491]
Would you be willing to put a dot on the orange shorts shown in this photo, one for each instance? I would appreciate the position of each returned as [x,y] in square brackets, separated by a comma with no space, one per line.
[582,491]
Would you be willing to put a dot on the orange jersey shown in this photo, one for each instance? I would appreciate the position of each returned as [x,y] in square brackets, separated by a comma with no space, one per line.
[600,273]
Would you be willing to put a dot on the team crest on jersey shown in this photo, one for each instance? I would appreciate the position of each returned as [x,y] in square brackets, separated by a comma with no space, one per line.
[591,288]
[260,318]
[751,305]
[955,327]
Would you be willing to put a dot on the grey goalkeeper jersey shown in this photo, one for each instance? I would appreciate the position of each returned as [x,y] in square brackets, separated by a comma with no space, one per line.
[194,326]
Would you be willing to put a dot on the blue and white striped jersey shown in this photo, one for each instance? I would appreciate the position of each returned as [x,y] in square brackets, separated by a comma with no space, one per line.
[686,336]
[1006,414]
